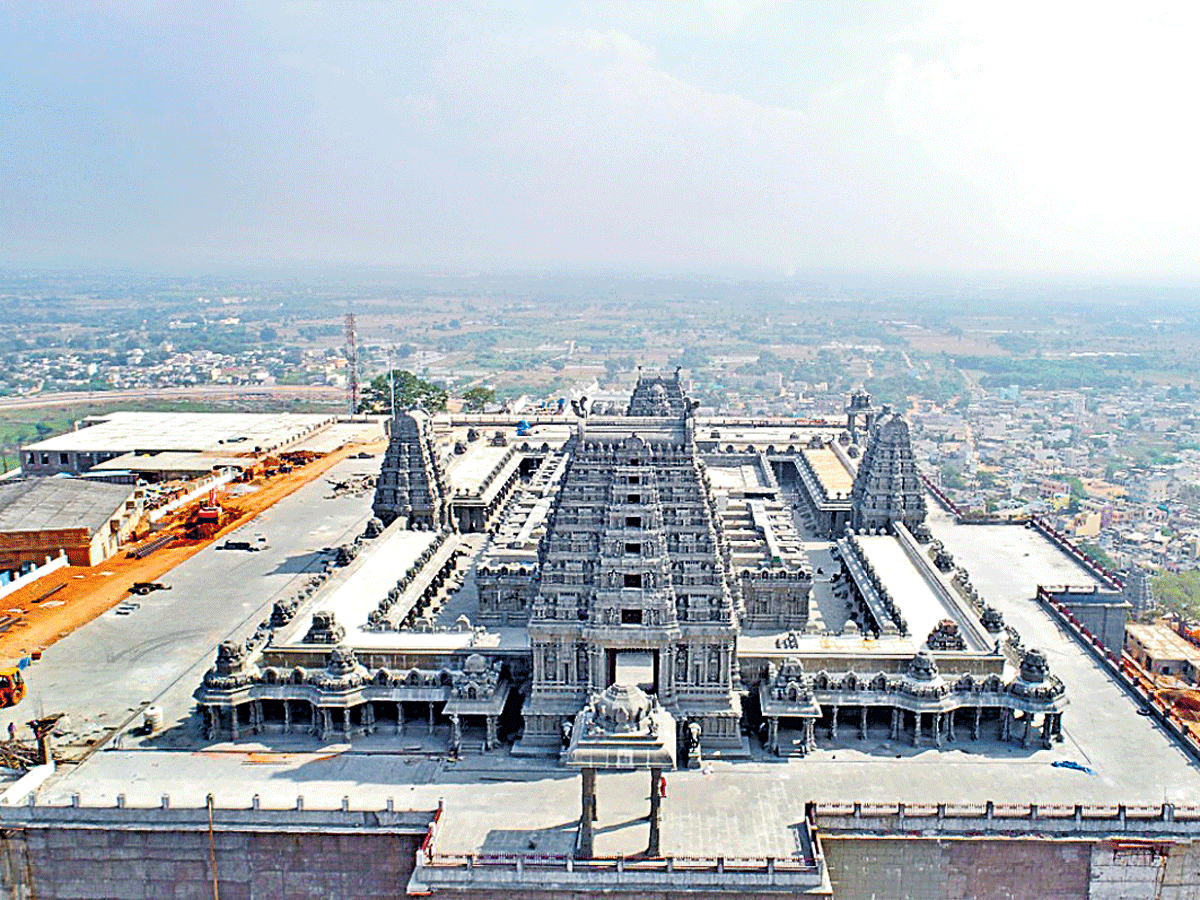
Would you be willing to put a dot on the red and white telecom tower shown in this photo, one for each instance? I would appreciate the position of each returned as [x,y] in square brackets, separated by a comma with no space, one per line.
[351,363]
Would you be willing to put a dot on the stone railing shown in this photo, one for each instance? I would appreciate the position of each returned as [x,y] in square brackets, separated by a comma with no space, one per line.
[168,814]
[1081,556]
[1008,818]
[938,494]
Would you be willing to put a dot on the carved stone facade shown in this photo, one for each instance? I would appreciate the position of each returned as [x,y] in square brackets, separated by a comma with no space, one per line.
[410,483]
[634,562]
[343,699]
[1026,709]
[887,488]
[658,395]
[775,599]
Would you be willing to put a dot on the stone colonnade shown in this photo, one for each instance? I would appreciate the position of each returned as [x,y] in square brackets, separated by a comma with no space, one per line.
[936,727]
[325,722]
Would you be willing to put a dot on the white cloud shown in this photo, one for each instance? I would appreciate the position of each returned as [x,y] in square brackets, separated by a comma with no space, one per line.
[1073,120]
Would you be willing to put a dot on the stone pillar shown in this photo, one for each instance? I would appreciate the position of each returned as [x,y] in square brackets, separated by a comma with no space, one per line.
[256,716]
[950,726]
[1027,735]
[810,736]
[399,717]
[347,731]
[773,735]
[1005,724]
[894,734]
[1047,729]
[234,729]
[975,723]
[917,729]
[862,722]
[666,674]
[493,739]
[326,722]
[595,663]
[937,729]
[431,717]
[369,718]
[833,714]
[652,849]
[455,733]
[587,815]
[287,716]
[212,722]
[1058,727]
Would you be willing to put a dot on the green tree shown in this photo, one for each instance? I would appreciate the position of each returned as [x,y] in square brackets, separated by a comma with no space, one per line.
[1179,591]
[411,391]
[477,398]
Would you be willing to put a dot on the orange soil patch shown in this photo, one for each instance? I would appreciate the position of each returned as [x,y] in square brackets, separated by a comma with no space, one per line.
[1182,699]
[87,592]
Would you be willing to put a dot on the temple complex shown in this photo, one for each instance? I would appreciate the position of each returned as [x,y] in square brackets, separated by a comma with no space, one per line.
[624,650]
[765,584]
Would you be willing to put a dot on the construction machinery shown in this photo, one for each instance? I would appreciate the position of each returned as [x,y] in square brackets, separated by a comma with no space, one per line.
[12,686]
[205,519]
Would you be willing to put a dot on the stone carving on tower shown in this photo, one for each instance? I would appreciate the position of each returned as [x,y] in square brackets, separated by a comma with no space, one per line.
[860,405]
[1137,592]
[887,488]
[658,395]
[634,563]
[411,486]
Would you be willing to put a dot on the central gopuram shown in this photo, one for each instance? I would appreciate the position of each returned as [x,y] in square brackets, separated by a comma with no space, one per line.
[635,578]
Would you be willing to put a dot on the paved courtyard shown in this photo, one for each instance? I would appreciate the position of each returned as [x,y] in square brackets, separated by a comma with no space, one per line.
[503,804]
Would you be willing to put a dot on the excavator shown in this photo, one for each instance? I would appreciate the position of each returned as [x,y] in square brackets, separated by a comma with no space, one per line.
[12,686]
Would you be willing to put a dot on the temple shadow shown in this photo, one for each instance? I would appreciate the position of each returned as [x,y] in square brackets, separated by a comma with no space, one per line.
[303,562]
[628,823]
[556,840]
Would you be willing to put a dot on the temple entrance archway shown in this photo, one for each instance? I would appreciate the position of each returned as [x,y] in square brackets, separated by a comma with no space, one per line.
[639,667]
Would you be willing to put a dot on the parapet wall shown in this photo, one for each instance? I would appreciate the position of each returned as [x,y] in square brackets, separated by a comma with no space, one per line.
[1120,667]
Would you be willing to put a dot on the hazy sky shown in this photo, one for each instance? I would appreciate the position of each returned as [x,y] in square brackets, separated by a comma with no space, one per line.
[1040,137]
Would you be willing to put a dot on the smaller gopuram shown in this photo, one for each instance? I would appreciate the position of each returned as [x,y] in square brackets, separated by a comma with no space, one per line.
[887,488]
[411,486]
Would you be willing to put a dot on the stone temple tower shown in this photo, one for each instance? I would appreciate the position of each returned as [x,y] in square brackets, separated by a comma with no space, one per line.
[1137,591]
[410,482]
[887,488]
[634,582]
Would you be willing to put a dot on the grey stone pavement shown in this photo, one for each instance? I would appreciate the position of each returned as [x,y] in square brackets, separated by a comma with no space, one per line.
[102,674]
[504,804]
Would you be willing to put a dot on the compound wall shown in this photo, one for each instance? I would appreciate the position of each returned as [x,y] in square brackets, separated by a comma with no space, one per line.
[175,862]
[988,868]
